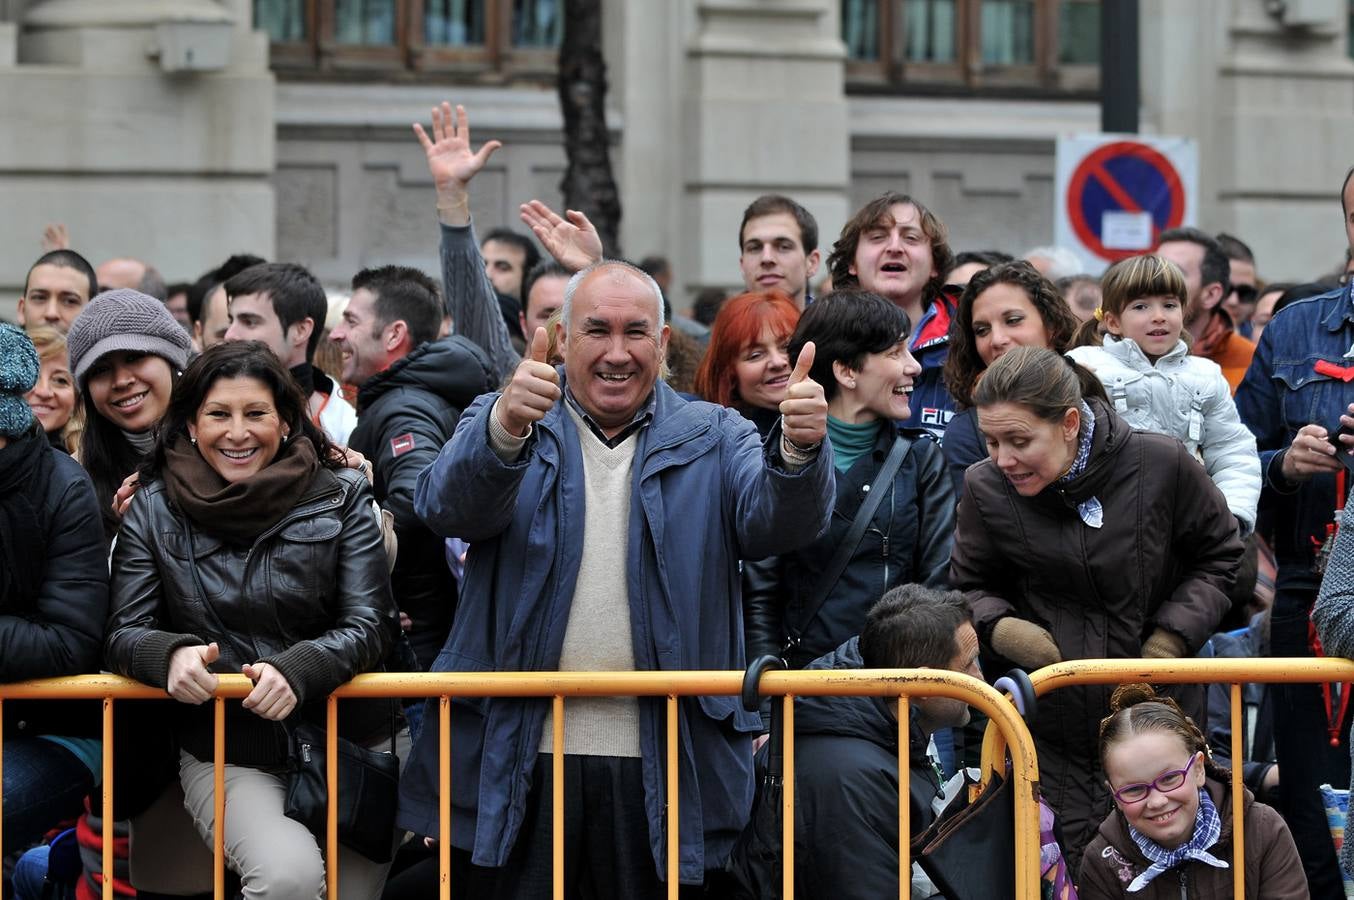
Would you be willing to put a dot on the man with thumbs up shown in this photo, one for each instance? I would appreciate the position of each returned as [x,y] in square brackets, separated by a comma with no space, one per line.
[606,517]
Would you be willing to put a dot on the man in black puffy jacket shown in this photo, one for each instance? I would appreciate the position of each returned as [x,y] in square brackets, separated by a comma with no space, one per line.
[412,386]
[846,748]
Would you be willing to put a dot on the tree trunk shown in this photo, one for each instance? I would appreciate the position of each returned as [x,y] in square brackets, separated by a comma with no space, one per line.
[588,185]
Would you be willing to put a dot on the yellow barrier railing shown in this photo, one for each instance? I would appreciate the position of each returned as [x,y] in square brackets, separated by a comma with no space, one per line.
[1236,672]
[901,684]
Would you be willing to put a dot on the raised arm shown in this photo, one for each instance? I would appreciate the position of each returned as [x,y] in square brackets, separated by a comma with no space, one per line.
[470,297]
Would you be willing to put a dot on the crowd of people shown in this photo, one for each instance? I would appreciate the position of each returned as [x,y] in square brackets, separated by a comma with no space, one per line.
[927,459]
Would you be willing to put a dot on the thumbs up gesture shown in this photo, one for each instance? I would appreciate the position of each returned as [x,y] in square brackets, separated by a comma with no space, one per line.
[803,412]
[533,390]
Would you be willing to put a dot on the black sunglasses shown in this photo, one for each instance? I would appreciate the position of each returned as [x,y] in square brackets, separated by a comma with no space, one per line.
[1246,293]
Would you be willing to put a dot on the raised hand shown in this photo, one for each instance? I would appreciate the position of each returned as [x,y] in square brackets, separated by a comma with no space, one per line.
[533,390]
[272,696]
[803,412]
[190,681]
[55,237]
[451,162]
[125,492]
[572,241]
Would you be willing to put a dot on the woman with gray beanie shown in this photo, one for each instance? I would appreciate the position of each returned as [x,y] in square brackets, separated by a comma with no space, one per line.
[53,606]
[126,352]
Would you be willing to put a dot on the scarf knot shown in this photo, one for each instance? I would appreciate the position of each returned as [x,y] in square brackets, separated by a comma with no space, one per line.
[1090,510]
[1207,829]
[238,512]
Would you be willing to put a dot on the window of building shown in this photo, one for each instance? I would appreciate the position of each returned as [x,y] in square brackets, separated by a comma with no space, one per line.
[479,39]
[996,46]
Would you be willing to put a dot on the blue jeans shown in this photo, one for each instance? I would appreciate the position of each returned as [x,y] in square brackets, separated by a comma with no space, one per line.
[44,784]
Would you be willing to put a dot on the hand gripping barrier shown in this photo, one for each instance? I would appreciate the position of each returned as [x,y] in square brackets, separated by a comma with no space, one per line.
[901,684]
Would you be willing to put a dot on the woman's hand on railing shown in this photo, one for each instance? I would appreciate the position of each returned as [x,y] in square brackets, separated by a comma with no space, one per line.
[190,681]
[272,696]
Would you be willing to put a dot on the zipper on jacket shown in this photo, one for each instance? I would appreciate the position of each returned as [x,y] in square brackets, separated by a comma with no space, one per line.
[1184,886]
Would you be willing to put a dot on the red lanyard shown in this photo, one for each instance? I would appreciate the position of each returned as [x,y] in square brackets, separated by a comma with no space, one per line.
[1333,718]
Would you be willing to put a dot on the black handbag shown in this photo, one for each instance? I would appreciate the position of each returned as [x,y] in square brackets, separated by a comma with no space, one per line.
[368,790]
[369,780]
[968,852]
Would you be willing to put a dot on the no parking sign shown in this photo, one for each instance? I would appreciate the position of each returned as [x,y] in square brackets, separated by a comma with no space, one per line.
[1117,193]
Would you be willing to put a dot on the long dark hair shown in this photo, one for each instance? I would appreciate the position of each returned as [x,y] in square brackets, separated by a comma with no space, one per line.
[236,359]
[963,365]
[107,455]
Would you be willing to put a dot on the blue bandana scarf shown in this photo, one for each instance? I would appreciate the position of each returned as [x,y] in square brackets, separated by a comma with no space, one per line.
[1207,828]
[1091,512]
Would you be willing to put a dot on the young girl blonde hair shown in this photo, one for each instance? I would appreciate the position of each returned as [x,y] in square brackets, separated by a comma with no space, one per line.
[1128,280]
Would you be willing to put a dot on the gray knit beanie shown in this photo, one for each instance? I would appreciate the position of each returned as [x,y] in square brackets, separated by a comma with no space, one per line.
[126,320]
[18,374]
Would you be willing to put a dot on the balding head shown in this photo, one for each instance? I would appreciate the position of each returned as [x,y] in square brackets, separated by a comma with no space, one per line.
[614,341]
[125,272]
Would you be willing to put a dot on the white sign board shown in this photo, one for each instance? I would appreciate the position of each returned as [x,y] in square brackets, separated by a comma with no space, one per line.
[1116,193]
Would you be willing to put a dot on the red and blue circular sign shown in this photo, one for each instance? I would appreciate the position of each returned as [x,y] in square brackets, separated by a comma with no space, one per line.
[1123,176]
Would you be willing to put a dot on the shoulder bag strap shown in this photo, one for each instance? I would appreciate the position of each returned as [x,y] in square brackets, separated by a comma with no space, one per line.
[847,547]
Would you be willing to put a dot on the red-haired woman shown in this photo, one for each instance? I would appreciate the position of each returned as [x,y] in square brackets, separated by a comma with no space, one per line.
[746,365]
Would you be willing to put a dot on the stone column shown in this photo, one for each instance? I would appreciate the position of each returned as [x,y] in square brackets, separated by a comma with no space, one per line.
[1269,99]
[724,100]
[146,126]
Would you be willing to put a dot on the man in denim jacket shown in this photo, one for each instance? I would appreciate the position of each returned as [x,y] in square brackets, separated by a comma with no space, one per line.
[1293,398]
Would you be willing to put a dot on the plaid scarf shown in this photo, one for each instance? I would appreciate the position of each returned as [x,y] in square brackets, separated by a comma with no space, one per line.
[1207,828]
[1091,512]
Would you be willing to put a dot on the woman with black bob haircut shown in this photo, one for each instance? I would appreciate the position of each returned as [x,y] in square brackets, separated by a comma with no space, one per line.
[801,599]
[1008,305]
[249,548]
[1081,538]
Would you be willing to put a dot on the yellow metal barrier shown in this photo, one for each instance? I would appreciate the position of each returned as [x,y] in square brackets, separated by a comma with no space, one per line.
[901,684]
[1300,670]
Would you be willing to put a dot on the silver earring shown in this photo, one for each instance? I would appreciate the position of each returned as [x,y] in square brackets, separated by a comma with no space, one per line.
[193,441]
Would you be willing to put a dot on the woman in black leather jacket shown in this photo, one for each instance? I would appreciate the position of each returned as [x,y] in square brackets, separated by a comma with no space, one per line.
[866,371]
[251,549]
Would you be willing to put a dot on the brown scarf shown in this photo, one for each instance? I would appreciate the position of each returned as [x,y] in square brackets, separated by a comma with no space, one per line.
[239,512]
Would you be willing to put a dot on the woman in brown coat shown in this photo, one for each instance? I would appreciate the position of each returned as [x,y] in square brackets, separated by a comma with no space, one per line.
[1171,834]
[1080,538]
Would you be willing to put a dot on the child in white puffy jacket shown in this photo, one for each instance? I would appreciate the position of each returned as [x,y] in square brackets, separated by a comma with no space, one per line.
[1156,385]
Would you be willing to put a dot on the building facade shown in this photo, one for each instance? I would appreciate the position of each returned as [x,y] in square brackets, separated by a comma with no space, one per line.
[181,131]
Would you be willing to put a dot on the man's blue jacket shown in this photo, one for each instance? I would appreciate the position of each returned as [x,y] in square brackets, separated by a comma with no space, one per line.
[1302,373]
[706,494]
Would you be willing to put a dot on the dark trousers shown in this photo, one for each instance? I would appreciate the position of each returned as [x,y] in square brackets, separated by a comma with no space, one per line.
[1302,744]
[606,842]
